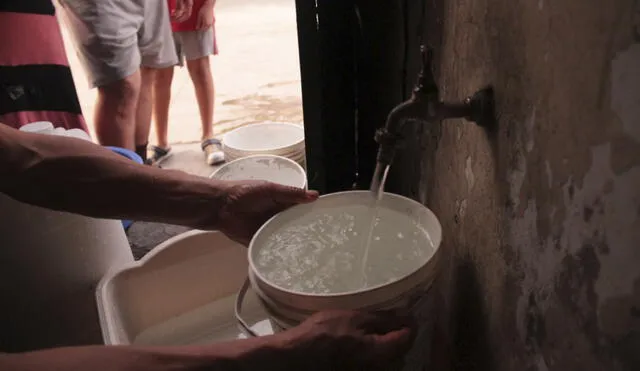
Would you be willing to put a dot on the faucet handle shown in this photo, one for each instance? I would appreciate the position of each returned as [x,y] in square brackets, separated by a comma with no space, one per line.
[426,80]
[427,57]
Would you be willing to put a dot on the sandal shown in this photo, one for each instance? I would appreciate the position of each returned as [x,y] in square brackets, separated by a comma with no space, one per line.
[213,153]
[158,154]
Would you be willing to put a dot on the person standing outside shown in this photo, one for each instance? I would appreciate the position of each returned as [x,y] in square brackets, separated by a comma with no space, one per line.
[195,42]
[122,44]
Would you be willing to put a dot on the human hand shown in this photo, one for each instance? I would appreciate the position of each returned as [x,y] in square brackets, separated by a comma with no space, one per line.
[249,204]
[182,11]
[205,18]
[347,340]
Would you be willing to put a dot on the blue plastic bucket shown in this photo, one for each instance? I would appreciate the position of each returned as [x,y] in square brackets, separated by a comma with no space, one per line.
[133,157]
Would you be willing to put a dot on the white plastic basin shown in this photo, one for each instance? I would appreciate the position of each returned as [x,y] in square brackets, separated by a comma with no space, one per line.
[268,138]
[275,169]
[375,297]
[182,292]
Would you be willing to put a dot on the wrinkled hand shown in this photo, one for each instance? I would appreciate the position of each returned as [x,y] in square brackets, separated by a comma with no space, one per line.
[182,11]
[346,340]
[205,18]
[249,204]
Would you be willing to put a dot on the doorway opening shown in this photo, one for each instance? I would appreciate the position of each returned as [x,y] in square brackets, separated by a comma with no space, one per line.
[256,76]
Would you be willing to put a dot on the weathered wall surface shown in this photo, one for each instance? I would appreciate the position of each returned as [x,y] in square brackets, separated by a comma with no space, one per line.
[542,217]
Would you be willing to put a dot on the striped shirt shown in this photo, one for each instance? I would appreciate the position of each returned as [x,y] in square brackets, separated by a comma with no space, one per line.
[35,79]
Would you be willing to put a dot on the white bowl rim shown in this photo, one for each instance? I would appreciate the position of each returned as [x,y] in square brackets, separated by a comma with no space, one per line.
[436,244]
[248,127]
[296,165]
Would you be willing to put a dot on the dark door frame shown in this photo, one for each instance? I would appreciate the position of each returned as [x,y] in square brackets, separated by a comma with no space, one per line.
[326,63]
[358,59]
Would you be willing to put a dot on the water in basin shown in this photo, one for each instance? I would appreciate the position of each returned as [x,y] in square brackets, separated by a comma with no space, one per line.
[343,249]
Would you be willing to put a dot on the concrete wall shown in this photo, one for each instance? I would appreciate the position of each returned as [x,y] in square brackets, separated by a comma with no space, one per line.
[541,218]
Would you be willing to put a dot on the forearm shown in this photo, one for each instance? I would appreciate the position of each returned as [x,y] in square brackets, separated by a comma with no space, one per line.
[265,354]
[80,177]
[209,3]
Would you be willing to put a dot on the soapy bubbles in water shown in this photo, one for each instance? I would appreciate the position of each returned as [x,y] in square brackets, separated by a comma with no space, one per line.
[322,253]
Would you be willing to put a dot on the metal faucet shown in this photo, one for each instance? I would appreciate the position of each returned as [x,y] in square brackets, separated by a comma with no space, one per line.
[425,107]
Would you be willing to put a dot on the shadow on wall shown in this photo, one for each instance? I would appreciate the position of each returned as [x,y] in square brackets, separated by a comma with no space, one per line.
[628,346]
[471,345]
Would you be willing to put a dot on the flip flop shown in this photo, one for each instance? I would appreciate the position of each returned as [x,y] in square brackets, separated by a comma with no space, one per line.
[213,153]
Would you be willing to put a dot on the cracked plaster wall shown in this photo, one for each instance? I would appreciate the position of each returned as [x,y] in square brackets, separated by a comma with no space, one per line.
[541,218]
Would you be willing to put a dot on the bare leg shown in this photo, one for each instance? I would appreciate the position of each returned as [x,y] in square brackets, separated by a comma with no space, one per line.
[115,112]
[145,104]
[202,78]
[161,100]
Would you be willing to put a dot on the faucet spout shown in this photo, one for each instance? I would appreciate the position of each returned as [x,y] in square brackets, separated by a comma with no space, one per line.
[390,136]
[425,107]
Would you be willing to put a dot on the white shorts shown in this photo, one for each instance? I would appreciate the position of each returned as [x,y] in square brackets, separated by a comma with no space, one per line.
[192,45]
[114,38]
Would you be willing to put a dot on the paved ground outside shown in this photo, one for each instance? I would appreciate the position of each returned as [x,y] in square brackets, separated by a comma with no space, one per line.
[257,79]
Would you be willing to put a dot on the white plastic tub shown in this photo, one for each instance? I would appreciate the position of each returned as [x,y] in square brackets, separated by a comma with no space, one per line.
[272,138]
[287,308]
[275,169]
[183,292]
[371,298]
